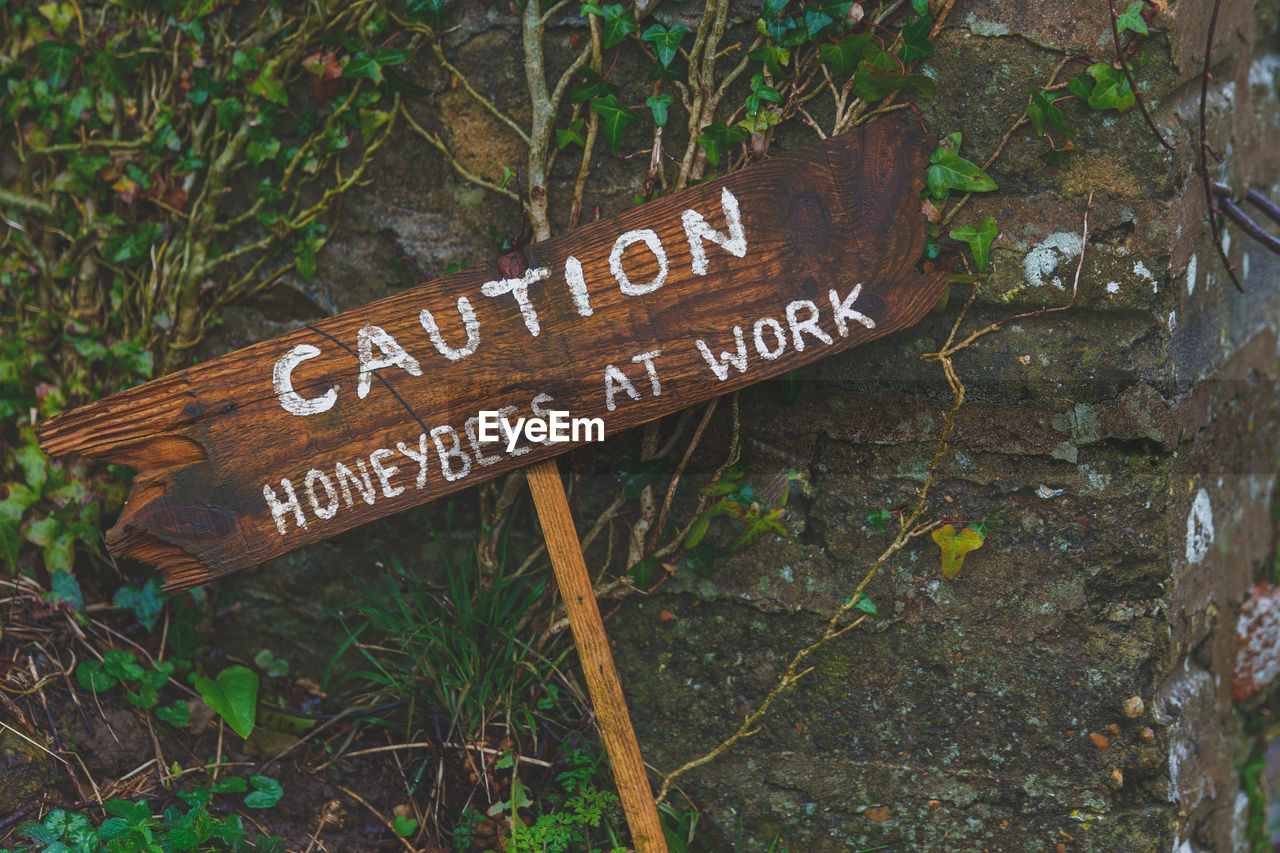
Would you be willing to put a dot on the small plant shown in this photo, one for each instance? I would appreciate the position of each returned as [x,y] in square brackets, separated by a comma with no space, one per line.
[131,826]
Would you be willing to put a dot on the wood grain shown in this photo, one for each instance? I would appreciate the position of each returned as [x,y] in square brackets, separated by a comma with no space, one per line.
[205,441]
[603,683]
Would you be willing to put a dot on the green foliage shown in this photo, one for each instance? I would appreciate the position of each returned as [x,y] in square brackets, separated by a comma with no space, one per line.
[131,827]
[665,41]
[616,118]
[949,171]
[233,695]
[979,240]
[1131,19]
[1103,87]
[120,666]
[617,22]
[460,649]
[145,602]
[130,129]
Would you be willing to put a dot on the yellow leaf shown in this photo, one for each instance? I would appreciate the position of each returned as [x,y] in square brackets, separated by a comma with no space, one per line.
[954,546]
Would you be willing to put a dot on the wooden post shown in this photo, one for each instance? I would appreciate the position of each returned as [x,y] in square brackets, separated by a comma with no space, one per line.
[597,661]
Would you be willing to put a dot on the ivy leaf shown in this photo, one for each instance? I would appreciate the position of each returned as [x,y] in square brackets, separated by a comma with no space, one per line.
[618,22]
[658,104]
[431,11]
[58,61]
[815,21]
[915,39]
[1111,90]
[950,171]
[228,111]
[593,86]
[880,520]
[761,91]
[268,85]
[979,240]
[233,696]
[875,84]
[617,118]
[572,135]
[715,138]
[1043,113]
[145,602]
[844,56]
[774,57]
[772,8]
[954,546]
[643,572]
[666,42]
[866,605]
[1081,86]
[404,826]
[1131,19]
[362,65]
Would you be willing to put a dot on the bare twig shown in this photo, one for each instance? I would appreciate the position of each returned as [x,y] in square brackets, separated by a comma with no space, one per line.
[1211,210]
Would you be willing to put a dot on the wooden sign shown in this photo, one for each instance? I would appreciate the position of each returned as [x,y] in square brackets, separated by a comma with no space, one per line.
[377,410]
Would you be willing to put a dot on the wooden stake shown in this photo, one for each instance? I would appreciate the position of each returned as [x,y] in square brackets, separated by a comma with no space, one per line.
[597,661]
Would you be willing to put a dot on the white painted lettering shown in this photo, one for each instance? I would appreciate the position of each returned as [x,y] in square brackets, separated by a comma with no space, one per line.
[721,367]
[519,288]
[844,311]
[647,358]
[280,509]
[385,472]
[697,230]
[290,400]
[779,337]
[477,441]
[347,478]
[331,508]
[613,380]
[393,355]
[810,325]
[420,456]
[454,451]
[650,238]
[577,285]
[469,322]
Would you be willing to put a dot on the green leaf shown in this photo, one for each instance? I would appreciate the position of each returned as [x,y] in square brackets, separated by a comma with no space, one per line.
[1081,86]
[921,6]
[370,122]
[865,605]
[92,677]
[572,135]
[177,715]
[404,826]
[954,546]
[363,66]
[58,61]
[950,171]
[815,21]
[1131,19]
[875,84]
[979,240]
[268,86]
[618,23]
[616,119]
[145,602]
[233,696]
[122,664]
[716,138]
[593,86]
[658,105]
[431,11]
[880,520]
[266,794]
[774,57]
[1044,114]
[230,785]
[66,588]
[666,42]
[273,666]
[643,571]
[915,39]
[844,56]
[1111,90]
[228,111]
[761,91]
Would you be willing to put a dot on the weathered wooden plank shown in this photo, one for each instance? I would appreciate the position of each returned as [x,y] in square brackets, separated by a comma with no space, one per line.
[358,416]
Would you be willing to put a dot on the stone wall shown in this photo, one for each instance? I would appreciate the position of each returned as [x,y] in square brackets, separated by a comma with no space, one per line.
[993,712]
